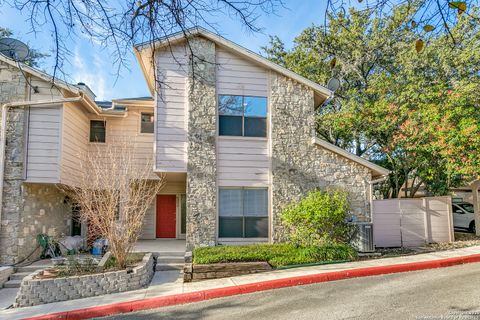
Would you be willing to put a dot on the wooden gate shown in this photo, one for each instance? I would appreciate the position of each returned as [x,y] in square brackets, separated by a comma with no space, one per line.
[412,222]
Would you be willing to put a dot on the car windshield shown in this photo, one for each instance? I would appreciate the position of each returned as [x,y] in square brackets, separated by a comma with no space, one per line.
[466,206]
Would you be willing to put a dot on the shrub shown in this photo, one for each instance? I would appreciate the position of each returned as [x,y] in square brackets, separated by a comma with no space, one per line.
[319,218]
[278,254]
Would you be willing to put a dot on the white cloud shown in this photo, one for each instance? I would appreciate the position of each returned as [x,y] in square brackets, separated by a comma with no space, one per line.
[91,71]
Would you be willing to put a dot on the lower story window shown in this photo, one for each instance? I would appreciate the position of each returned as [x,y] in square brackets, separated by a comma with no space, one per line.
[243,213]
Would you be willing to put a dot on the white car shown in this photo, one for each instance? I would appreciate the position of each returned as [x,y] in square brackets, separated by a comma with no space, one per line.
[463,216]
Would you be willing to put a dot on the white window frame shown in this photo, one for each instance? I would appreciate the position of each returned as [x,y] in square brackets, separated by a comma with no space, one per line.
[243,116]
[140,123]
[244,239]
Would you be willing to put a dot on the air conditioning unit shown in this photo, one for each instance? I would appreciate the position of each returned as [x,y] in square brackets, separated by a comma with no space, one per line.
[363,237]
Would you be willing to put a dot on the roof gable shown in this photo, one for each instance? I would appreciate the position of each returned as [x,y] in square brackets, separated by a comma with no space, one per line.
[143,52]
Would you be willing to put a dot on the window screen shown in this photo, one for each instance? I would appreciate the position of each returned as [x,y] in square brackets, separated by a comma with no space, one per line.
[97,131]
[146,121]
[243,213]
[242,116]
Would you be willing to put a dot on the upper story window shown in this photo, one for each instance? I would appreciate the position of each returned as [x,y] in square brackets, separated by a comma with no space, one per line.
[242,116]
[146,122]
[97,131]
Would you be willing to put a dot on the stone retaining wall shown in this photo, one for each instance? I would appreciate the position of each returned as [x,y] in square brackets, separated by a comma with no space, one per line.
[39,291]
[5,273]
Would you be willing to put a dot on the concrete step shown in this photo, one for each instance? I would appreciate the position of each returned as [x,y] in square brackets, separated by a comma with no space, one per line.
[169,266]
[170,259]
[170,254]
[19,275]
[12,284]
[30,269]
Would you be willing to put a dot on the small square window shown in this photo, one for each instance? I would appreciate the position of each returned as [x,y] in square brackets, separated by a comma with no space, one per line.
[147,120]
[97,131]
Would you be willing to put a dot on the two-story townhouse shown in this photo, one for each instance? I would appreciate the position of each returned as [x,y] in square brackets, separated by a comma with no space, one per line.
[232,132]
[49,128]
[235,135]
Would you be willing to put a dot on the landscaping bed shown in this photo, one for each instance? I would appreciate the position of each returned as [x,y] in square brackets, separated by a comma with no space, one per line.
[226,261]
[36,289]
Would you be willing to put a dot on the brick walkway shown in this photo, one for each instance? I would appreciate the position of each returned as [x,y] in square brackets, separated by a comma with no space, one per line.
[168,283]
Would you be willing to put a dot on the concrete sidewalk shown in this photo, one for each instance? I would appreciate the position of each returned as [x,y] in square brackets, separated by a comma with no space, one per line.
[169,283]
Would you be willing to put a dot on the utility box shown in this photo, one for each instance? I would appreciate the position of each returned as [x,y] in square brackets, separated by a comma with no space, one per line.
[363,237]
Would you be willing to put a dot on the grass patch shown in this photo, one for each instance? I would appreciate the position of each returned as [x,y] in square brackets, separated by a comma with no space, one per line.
[277,255]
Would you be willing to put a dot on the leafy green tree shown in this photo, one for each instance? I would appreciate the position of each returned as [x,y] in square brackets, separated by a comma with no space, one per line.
[414,111]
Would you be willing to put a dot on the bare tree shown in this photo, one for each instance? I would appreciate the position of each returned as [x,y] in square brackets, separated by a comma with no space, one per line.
[115,190]
[118,25]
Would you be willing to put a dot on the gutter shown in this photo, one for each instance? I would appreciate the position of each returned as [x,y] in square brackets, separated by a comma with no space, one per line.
[3,131]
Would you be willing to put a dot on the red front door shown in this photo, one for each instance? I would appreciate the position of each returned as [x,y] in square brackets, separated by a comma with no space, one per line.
[166,216]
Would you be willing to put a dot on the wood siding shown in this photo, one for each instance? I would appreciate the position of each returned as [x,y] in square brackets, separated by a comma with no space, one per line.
[76,130]
[127,130]
[243,162]
[43,144]
[171,142]
[45,90]
[149,223]
[239,76]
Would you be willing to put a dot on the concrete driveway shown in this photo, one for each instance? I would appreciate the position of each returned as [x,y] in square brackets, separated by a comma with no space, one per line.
[427,294]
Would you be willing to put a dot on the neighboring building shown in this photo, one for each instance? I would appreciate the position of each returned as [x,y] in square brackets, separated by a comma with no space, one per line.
[50,127]
[233,133]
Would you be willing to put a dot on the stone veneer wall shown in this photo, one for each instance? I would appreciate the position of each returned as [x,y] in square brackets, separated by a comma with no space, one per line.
[202,161]
[12,88]
[299,166]
[43,210]
[5,273]
[27,209]
[39,291]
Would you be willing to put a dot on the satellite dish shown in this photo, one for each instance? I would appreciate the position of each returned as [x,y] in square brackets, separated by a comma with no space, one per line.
[333,84]
[14,49]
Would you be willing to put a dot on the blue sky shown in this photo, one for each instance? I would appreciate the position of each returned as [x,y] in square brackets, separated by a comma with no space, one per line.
[91,64]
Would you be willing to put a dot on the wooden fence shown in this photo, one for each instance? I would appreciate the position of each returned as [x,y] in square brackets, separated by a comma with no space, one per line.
[412,222]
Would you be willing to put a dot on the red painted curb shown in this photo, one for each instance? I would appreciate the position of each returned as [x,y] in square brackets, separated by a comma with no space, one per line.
[183,298]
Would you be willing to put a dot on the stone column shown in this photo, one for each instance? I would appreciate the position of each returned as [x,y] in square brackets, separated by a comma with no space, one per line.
[12,88]
[202,156]
[293,156]
[299,166]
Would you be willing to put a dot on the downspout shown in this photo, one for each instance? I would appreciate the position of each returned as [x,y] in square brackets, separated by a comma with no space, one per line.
[3,131]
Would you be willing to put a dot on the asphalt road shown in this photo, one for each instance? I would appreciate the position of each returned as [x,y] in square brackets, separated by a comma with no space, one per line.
[427,295]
